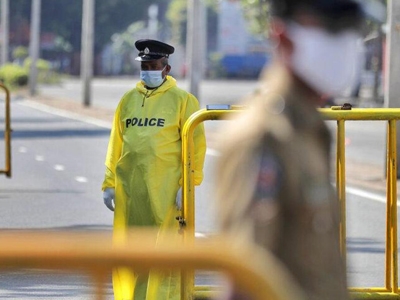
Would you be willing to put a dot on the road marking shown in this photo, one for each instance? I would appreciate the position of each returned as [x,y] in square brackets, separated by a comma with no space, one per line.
[59,168]
[367,195]
[81,179]
[212,152]
[39,158]
[22,150]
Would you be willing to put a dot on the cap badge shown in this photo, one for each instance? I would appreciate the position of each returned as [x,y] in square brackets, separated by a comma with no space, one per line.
[146,51]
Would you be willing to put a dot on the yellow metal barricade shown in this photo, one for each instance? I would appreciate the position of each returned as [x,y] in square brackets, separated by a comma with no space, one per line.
[340,114]
[7,133]
[96,255]
[212,112]
[391,115]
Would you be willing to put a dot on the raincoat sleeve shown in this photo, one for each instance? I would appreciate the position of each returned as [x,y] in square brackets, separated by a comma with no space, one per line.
[192,105]
[113,151]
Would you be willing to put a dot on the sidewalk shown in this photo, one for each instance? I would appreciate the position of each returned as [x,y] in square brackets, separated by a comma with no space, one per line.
[363,176]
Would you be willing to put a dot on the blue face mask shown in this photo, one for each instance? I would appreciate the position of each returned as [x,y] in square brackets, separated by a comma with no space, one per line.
[152,79]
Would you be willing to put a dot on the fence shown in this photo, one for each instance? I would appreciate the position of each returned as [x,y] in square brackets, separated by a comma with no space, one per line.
[96,255]
[98,258]
[341,115]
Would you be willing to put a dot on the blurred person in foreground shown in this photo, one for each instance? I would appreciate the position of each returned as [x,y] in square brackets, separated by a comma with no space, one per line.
[273,176]
[144,164]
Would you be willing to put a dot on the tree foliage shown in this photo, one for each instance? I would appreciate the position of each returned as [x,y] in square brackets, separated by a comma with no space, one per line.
[257,14]
[177,18]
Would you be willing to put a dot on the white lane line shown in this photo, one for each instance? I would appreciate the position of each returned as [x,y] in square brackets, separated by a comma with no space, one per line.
[59,168]
[39,158]
[212,152]
[22,150]
[65,114]
[367,195]
[81,179]
[199,235]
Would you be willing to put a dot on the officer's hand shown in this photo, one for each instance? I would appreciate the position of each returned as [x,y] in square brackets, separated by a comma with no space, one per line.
[178,201]
[108,197]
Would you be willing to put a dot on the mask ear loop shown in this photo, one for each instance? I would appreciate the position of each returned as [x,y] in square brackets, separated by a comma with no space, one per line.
[163,71]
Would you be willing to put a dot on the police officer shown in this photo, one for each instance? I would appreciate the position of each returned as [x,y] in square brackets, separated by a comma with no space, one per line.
[143,163]
[273,177]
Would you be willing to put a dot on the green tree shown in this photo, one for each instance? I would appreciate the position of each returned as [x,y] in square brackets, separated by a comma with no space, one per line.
[256,12]
[177,18]
[20,53]
[124,44]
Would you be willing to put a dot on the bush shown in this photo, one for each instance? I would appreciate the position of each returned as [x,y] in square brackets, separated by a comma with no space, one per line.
[20,53]
[41,64]
[45,72]
[13,75]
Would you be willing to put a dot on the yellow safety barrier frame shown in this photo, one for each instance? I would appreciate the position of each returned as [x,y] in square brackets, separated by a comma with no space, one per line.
[391,115]
[340,114]
[7,133]
[58,250]
[96,255]
[187,219]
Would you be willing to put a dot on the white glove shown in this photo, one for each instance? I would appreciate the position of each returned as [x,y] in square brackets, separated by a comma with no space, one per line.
[178,200]
[108,197]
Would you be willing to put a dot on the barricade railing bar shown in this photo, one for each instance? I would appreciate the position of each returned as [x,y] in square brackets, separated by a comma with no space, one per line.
[187,219]
[7,133]
[96,254]
[341,114]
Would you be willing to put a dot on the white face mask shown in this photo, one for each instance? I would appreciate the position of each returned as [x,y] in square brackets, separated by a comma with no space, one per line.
[327,62]
[152,79]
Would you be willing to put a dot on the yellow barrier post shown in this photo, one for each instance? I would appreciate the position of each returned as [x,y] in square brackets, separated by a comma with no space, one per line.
[341,183]
[7,133]
[96,255]
[212,112]
[392,203]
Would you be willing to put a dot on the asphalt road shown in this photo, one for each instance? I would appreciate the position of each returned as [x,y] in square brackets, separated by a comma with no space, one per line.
[56,176]
[58,169]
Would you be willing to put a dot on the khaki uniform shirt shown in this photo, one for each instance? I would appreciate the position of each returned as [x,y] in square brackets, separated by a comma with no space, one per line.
[274,186]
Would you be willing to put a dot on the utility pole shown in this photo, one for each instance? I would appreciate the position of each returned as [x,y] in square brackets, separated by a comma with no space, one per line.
[87,50]
[34,45]
[5,17]
[392,64]
[392,74]
[153,21]
[195,45]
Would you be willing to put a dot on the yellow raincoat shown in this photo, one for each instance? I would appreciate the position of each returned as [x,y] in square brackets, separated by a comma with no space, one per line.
[144,165]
